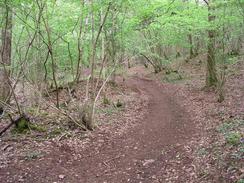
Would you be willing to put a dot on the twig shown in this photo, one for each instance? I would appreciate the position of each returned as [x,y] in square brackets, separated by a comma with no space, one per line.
[59,139]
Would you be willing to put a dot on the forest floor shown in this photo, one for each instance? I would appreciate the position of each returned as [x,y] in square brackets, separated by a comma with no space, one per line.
[172,132]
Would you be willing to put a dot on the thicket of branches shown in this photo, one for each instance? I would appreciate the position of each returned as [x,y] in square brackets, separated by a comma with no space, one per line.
[52,44]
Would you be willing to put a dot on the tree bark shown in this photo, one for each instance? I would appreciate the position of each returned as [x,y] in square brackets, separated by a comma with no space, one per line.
[211,76]
[191,46]
[5,61]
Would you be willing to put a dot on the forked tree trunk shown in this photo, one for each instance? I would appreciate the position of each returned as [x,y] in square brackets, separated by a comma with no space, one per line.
[5,60]
[211,76]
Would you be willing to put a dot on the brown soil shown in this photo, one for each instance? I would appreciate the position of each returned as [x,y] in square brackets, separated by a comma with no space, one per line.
[143,153]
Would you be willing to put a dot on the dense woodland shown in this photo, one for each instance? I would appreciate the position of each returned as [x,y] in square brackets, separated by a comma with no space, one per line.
[49,47]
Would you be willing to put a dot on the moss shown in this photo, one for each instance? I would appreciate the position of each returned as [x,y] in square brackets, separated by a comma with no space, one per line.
[15,131]
[37,128]
[22,125]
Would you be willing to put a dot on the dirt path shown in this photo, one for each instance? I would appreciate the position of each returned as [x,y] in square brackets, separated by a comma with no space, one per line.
[141,155]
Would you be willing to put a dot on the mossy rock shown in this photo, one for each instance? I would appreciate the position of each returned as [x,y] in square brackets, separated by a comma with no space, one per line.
[22,125]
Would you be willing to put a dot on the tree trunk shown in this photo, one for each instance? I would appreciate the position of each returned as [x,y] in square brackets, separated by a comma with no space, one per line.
[211,76]
[191,46]
[5,61]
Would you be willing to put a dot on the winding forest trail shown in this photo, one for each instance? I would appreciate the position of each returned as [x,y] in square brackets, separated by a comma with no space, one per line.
[140,155]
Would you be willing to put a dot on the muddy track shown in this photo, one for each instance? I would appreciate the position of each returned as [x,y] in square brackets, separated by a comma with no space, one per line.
[140,155]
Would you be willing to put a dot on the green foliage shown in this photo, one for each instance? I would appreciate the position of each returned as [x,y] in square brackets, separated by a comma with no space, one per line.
[240,181]
[232,131]
[159,29]
[233,138]
[230,126]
